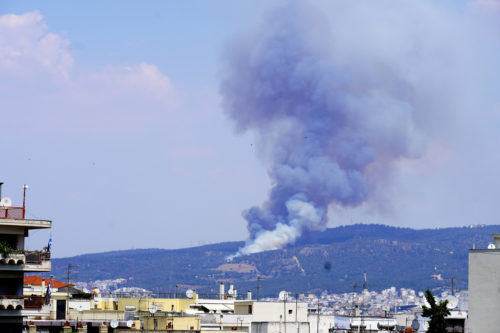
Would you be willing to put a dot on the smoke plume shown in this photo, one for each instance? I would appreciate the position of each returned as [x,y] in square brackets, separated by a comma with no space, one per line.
[335,99]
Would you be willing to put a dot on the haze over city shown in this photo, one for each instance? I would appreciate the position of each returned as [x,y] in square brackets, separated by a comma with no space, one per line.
[161,125]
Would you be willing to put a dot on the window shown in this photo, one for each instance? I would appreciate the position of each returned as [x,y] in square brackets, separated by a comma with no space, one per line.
[250,309]
[290,311]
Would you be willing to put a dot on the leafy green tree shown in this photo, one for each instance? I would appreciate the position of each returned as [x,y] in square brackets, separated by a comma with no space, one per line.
[436,313]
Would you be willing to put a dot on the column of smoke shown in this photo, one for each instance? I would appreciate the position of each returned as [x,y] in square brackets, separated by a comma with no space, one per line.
[331,116]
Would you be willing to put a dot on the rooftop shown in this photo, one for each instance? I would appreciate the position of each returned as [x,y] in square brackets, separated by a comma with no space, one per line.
[37,281]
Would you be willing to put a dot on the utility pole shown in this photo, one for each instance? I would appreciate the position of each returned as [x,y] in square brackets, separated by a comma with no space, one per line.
[361,311]
[317,319]
[67,288]
[353,300]
[296,307]
[296,311]
[258,287]
[284,310]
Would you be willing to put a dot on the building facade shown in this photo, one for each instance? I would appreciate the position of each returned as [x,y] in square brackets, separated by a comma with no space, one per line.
[484,288]
[15,261]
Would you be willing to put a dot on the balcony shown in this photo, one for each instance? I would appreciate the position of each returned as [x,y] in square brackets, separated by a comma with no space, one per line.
[13,302]
[37,261]
[16,213]
[29,261]
[12,259]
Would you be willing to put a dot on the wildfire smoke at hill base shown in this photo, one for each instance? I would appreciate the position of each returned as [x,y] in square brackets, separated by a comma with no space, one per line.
[335,99]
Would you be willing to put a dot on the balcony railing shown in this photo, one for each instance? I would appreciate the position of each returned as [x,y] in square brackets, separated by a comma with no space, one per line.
[12,213]
[13,302]
[12,259]
[36,257]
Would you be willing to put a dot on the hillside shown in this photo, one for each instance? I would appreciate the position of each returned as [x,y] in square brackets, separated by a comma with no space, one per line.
[332,260]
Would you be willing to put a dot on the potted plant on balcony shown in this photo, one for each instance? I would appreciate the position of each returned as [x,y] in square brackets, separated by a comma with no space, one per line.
[6,249]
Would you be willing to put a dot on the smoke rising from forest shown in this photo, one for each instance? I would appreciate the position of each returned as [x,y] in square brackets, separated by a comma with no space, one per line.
[335,97]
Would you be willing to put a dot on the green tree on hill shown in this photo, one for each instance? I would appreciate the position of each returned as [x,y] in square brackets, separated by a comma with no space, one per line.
[436,313]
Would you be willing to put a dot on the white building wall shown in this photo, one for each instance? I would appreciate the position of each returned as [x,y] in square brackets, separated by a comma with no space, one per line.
[325,322]
[484,290]
[280,327]
[273,311]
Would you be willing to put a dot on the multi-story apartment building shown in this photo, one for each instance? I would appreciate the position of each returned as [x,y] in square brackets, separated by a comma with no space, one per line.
[484,282]
[15,261]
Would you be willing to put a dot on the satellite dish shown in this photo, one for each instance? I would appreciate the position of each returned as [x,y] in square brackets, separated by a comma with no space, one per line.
[283,295]
[491,246]
[114,323]
[153,309]
[6,202]
[415,325]
[189,293]
[452,302]
[130,323]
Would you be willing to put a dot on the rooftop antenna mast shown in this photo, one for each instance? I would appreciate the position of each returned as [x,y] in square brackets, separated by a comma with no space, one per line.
[361,310]
[353,299]
[67,294]
[258,287]
[24,200]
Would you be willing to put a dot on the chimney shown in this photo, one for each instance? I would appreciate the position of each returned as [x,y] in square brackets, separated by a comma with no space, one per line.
[1,190]
[221,290]
[249,295]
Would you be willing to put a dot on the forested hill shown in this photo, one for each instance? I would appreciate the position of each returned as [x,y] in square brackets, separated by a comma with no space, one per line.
[332,260]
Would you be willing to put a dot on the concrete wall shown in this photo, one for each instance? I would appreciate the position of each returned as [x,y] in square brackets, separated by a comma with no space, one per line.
[162,304]
[273,311]
[484,290]
[277,327]
[325,322]
[176,323]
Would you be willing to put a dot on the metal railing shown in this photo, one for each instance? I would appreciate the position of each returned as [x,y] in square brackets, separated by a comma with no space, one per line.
[179,294]
[36,257]
[35,302]
[16,213]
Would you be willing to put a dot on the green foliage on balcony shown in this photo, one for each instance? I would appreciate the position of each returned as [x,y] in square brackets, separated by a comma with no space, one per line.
[6,249]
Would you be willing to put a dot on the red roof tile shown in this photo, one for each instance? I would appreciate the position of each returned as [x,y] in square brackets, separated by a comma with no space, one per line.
[37,281]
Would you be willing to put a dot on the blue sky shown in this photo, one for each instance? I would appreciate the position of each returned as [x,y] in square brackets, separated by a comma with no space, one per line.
[111,112]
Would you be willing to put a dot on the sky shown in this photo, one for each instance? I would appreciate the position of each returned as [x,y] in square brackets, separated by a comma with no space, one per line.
[116,116]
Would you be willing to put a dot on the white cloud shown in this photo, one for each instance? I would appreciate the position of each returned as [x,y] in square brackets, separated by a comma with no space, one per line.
[26,44]
[41,81]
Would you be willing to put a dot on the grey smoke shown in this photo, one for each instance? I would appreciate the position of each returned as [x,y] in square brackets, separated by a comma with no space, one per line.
[335,99]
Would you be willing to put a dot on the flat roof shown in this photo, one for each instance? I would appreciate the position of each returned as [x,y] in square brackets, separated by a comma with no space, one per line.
[484,250]
[29,224]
